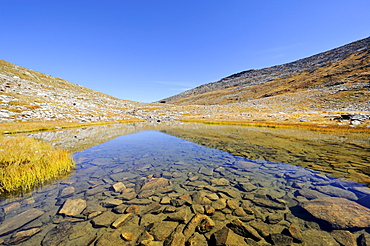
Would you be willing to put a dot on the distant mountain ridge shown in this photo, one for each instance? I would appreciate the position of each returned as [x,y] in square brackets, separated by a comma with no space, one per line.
[334,81]
[230,89]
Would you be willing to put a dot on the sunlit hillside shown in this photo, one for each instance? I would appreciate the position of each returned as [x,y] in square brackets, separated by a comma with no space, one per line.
[338,79]
[27,95]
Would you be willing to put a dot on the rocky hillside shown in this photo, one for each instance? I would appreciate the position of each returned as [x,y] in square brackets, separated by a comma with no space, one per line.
[313,91]
[339,78]
[27,95]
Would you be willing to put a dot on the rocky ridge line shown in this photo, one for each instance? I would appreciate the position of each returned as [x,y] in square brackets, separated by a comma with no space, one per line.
[256,77]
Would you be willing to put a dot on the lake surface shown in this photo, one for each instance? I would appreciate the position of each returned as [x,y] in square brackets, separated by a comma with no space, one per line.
[205,185]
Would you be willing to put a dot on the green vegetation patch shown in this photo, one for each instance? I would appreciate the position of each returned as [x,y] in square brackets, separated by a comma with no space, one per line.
[27,162]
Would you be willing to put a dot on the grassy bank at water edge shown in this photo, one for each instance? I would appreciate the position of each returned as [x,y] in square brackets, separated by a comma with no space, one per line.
[27,162]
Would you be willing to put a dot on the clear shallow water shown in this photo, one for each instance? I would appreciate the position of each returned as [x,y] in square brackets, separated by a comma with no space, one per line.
[339,154]
[261,201]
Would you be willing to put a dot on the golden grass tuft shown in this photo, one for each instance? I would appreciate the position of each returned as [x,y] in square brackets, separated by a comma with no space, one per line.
[27,162]
[17,103]
[33,107]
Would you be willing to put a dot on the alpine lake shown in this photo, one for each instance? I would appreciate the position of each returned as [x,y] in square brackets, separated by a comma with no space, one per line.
[195,184]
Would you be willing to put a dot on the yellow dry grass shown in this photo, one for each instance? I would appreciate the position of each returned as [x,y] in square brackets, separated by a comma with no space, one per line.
[34,126]
[27,162]
[270,124]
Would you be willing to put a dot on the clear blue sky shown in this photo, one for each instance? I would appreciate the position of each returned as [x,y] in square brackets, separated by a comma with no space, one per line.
[146,50]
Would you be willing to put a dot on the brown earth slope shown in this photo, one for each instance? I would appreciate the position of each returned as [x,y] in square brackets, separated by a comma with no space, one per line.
[338,79]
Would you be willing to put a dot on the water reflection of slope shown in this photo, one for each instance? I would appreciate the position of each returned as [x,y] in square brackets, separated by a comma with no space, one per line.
[83,138]
[344,155]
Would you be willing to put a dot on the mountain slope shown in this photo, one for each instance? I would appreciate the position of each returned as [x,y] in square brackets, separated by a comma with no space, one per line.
[27,95]
[338,78]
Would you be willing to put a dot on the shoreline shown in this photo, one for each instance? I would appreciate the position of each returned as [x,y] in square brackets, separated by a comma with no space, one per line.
[271,124]
[37,126]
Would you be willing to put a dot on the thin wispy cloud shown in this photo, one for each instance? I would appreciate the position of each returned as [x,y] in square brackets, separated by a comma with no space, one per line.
[174,83]
[281,49]
[180,89]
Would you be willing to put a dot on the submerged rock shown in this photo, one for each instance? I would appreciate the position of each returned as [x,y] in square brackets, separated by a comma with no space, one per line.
[22,236]
[339,213]
[108,238]
[246,165]
[13,223]
[110,203]
[153,183]
[165,200]
[209,210]
[180,216]
[344,237]
[197,239]
[265,229]
[118,222]
[177,202]
[248,187]
[95,190]
[93,214]
[213,196]
[197,209]
[220,182]
[280,239]
[163,229]
[295,233]
[199,197]
[274,218]
[12,207]
[364,240]
[151,208]
[127,196]
[268,202]
[233,204]
[145,239]
[200,222]
[118,187]
[73,207]
[57,235]
[148,219]
[2,215]
[104,220]
[176,238]
[206,171]
[319,238]
[240,212]
[68,191]
[187,199]
[127,236]
[226,237]
[310,194]
[120,209]
[335,191]
[133,209]
[244,230]
[219,204]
